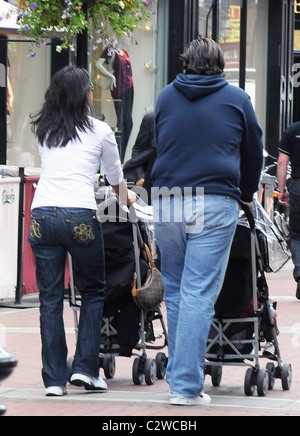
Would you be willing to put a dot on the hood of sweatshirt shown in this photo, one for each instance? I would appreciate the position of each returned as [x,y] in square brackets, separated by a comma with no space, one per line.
[195,86]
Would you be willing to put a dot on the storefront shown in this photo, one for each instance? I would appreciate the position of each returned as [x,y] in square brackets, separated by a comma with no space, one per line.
[255,35]
[29,74]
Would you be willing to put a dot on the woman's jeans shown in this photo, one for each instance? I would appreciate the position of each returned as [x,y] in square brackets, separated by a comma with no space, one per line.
[194,256]
[53,232]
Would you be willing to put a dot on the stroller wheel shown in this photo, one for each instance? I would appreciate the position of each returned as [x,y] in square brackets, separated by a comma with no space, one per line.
[69,366]
[271,371]
[286,376]
[249,383]
[262,382]
[137,371]
[150,371]
[109,366]
[216,375]
[161,361]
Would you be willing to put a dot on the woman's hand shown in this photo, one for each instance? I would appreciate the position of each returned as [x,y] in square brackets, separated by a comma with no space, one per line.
[131,197]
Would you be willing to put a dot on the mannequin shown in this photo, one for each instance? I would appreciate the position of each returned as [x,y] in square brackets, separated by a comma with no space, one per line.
[114,64]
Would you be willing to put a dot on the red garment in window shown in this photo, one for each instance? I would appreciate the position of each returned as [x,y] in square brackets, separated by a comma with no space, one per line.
[122,71]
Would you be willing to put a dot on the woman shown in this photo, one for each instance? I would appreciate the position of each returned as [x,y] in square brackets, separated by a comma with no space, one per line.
[209,157]
[71,145]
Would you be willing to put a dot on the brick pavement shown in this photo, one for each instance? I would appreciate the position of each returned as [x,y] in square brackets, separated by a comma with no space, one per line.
[23,392]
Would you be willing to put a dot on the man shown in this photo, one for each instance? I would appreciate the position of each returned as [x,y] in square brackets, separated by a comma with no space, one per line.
[208,142]
[138,168]
[289,152]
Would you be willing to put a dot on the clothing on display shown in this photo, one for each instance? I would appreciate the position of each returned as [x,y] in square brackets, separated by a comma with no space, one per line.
[122,93]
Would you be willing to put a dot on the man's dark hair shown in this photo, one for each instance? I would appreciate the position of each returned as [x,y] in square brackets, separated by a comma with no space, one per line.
[66,108]
[203,56]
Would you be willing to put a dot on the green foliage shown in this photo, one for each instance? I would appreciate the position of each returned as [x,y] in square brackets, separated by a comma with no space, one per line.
[40,19]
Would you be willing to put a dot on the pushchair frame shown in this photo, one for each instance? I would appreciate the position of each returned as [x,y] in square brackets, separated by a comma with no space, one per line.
[144,367]
[256,377]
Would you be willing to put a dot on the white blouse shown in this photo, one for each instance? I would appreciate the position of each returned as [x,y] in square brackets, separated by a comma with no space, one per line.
[68,173]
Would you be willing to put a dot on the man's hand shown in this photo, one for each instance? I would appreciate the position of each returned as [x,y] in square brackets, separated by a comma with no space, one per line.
[284,198]
[140,182]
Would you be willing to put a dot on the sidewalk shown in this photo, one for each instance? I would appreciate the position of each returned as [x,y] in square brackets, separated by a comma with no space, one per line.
[23,392]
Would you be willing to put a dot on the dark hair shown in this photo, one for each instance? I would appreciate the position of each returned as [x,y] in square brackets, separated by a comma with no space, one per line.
[65,109]
[203,56]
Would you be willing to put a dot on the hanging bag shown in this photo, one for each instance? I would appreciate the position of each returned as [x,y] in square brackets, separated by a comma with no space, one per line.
[151,294]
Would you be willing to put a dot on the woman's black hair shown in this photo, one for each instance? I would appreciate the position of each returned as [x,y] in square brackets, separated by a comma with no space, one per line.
[203,56]
[66,108]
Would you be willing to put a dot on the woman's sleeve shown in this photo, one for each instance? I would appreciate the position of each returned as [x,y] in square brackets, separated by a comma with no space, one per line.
[111,160]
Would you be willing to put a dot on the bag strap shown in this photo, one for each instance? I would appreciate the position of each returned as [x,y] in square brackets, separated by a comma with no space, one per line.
[134,291]
[150,260]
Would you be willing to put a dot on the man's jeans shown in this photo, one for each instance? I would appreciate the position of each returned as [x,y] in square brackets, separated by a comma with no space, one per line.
[53,233]
[294,225]
[193,268]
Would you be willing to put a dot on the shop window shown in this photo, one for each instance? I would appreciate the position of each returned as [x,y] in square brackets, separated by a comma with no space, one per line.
[229,37]
[256,56]
[297,27]
[28,78]
[206,18]
[124,76]
[221,21]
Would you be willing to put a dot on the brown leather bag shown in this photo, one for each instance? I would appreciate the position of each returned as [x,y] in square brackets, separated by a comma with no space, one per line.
[151,293]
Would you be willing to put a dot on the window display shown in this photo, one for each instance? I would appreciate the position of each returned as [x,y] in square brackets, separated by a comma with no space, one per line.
[114,64]
[28,79]
[123,73]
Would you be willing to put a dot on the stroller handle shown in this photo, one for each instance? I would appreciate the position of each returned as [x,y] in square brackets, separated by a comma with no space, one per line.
[248,214]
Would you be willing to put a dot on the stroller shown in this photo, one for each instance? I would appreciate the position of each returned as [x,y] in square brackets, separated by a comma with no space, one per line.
[126,329]
[244,329]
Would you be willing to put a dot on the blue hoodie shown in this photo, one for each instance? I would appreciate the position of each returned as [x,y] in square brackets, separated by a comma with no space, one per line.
[207,136]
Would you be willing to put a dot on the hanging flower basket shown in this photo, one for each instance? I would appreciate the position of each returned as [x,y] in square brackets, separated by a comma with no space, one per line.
[41,19]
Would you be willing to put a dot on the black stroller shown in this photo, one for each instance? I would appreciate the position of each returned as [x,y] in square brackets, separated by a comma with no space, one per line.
[244,328]
[125,327]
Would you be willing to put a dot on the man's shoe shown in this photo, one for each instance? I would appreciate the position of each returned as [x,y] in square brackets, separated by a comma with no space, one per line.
[56,391]
[89,383]
[298,290]
[201,400]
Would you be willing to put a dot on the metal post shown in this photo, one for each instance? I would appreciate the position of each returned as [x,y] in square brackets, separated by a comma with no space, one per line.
[243,45]
[216,21]
[82,45]
[19,286]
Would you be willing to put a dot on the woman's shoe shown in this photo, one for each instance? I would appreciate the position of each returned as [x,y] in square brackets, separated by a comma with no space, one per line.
[56,391]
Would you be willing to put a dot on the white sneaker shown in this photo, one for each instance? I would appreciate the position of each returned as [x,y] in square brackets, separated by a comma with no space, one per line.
[89,383]
[269,350]
[202,399]
[56,391]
